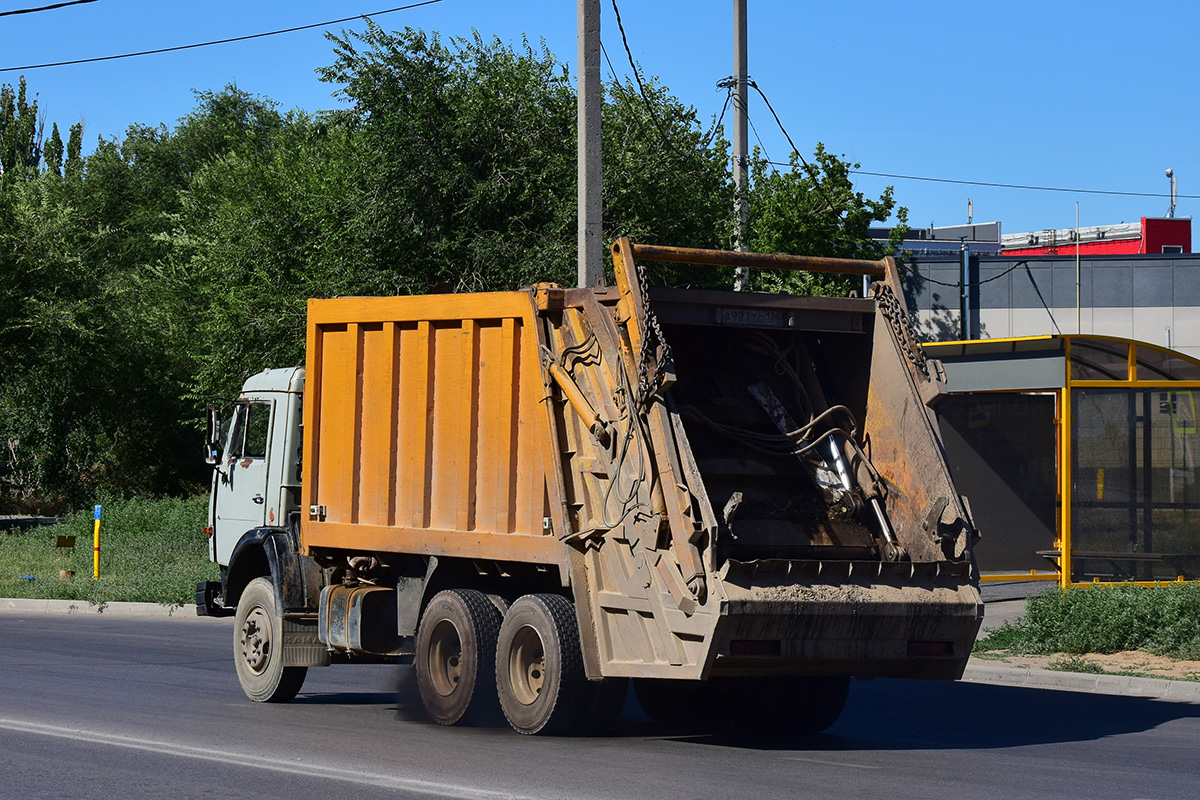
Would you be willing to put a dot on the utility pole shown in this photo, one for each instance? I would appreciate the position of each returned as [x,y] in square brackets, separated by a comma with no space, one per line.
[591,242]
[741,177]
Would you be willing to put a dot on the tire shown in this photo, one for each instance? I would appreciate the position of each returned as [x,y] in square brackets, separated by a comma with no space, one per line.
[815,703]
[258,647]
[539,666]
[761,705]
[785,705]
[456,658]
[604,702]
[684,705]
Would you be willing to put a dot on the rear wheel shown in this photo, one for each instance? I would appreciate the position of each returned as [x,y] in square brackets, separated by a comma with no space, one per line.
[258,647]
[539,666]
[678,704]
[808,704]
[456,657]
[768,704]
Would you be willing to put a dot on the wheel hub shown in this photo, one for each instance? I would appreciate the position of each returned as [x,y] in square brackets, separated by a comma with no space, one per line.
[255,640]
[527,665]
[445,658]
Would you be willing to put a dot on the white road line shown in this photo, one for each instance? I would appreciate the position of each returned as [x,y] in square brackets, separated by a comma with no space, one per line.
[227,757]
[832,763]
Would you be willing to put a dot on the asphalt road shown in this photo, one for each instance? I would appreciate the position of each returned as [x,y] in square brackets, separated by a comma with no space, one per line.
[96,707]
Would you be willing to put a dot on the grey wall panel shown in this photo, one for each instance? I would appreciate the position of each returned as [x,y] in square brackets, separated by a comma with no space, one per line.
[1025,293]
[1153,286]
[1186,284]
[1112,286]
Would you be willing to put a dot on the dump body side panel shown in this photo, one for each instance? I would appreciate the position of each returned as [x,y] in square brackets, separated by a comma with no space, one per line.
[423,431]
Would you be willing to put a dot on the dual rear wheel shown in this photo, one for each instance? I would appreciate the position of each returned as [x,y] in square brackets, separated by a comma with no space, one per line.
[473,663]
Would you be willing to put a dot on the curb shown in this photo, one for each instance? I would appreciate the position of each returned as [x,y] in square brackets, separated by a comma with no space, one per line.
[115,609]
[1128,686]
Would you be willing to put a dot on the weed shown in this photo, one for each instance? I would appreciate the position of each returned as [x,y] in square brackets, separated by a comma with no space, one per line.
[1075,664]
[1164,620]
[151,550]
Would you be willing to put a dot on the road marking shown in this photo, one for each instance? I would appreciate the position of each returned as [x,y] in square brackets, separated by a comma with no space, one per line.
[227,757]
[833,763]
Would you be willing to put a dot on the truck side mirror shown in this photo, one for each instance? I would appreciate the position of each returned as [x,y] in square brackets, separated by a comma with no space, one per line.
[212,434]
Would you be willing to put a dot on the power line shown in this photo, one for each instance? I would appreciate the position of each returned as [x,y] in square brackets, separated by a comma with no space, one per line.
[1015,185]
[958,285]
[219,41]
[811,172]
[44,8]
[641,88]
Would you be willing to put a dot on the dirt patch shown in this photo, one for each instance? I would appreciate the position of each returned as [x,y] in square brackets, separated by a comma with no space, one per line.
[1129,662]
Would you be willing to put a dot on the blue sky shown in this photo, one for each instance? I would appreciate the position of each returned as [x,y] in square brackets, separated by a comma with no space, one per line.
[1082,95]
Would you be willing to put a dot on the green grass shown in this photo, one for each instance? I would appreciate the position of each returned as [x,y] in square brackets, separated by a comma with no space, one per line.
[151,550]
[1164,620]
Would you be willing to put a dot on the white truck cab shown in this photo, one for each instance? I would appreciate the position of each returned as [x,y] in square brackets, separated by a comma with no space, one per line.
[256,475]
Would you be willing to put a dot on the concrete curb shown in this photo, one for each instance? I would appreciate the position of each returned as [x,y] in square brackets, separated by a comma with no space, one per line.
[82,607]
[1031,678]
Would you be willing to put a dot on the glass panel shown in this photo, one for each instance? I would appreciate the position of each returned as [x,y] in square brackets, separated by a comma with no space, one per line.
[1099,360]
[1157,365]
[257,429]
[1002,452]
[1136,485]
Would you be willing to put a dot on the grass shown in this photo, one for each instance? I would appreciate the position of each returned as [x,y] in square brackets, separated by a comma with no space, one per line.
[1164,620]
[1075,664]
[151,550]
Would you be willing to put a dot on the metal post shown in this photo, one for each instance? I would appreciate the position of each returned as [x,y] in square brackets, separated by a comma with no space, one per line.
[964,302]
[96,547]
[1079,292]
[741,178]
[591,243]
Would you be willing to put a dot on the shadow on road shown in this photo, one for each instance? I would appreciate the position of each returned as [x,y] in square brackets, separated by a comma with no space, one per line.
[914,715]
[345,698]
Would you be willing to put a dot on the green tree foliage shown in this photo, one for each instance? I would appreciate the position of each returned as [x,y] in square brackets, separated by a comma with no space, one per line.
[20,131]
[815,210]
[161,270]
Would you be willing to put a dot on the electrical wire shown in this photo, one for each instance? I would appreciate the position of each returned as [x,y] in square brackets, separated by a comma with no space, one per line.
[1016,266]
[812,172]
[994,185]
[641,87]
[219,41]
[44,8]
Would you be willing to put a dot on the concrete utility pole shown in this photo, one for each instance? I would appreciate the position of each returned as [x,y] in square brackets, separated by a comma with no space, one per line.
[741,165]
[591,242]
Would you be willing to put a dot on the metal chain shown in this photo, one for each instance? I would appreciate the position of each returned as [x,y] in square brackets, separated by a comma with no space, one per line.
[652,339]
[901,326]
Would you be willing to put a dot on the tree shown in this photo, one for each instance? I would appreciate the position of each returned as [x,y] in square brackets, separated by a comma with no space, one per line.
[815,210]
[20,131]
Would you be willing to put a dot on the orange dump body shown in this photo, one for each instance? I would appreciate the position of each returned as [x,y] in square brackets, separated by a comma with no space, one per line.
[424,430]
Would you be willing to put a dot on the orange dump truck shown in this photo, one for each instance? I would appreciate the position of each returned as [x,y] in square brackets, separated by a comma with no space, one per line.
[738,500]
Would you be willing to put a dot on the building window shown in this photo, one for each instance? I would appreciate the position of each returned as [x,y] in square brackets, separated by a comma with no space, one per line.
[1172,248]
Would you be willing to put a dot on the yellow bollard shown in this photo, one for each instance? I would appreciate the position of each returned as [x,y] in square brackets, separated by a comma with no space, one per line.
[96,547]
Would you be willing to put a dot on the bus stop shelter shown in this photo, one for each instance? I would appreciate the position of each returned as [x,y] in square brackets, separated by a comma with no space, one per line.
[1078,454]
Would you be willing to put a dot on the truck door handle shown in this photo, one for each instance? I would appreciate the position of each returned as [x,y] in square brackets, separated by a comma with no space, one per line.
[258,499]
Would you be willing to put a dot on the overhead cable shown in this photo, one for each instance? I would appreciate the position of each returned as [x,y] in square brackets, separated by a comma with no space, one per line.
[220,41]
[44,8]
[641,87]
[1009,185]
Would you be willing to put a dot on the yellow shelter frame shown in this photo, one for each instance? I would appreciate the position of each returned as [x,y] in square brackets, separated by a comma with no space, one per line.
[1144,367]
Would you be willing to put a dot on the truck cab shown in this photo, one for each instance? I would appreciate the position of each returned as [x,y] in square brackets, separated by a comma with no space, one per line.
[256,464]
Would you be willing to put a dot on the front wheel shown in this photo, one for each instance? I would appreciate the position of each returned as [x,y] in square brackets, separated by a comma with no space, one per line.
[258,647]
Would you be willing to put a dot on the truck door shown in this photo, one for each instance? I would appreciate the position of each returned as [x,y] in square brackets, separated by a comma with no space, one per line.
[242,484]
